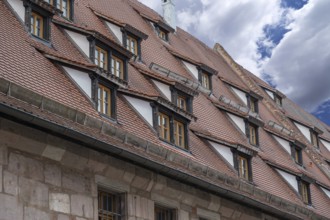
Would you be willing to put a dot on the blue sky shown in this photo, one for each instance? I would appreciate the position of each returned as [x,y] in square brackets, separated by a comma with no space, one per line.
[285,42]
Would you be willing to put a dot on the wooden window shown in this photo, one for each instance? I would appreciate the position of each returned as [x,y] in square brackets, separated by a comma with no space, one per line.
[305,192]
[64,6]
[101,58]
[162,34]
[296,154]
[243,167]
[182,102]
[37,25]
[179,134]
[109,206]
[132,44]
[164,126]
[314,139]
[117,67]
[205,80]
[253,134]
[253,105]
[104,100]
[163,213]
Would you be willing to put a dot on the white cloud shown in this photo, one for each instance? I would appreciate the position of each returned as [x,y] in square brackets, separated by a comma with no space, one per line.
[299,65]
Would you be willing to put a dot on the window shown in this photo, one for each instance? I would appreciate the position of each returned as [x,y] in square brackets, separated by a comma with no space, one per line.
[104,100]
[205,80]
[132,44]
[164,126]
[314,139]
[37,25]
[109,206]
[171,128]
[101,58]
[305,192]
[179,134]
[243,167]
[296,153]
[109,60]
[38,19]
[182,102]
[253,134]
[253,104]
[162,35]
[117,67]
[64,6]
[242,163]
[162,213]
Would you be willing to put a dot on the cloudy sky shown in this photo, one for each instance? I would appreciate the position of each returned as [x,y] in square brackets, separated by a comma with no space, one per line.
[285,42]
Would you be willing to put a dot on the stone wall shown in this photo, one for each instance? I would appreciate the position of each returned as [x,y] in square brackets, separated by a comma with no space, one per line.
[44,177]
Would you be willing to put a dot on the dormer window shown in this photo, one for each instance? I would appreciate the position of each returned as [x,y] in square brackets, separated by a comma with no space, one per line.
[104,96]
[242,163]
[101,58]
[104,100]
[162,35]
[163,30]
[66,7]
[117,67]
[179,134]
[171,127]
[253,104]
[205,80]
[314,139]
[253,134]
[132,39]
[132,44]
[37,25]
[181,102]
[304,191]
[296,153]
[37,18]
[108,59]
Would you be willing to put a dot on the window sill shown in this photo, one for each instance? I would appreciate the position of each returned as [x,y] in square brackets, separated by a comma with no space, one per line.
[110,119]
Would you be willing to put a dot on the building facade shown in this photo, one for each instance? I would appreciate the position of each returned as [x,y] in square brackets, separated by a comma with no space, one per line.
[109,111]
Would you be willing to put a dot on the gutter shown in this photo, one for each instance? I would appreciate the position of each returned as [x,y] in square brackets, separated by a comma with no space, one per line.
[90,142]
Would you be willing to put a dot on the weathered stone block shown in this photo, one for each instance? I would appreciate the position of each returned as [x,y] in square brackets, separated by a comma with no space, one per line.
[59,202]
[63,217]
[25,166]
[214,203]
[53,174]
[78,218]
[10,183]
[76,182]
[53,153]
[3,154]
[10,208]
[23,138]
[82,206]
[112,183]
[33,192]
[74,161]
[31,213]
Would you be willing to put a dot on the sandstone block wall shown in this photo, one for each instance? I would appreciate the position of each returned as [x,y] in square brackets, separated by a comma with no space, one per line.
[44,177]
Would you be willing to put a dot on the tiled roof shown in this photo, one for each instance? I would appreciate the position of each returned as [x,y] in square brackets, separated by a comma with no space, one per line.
[29,63]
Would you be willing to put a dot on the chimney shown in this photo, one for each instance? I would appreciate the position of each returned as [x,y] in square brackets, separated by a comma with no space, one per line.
[169,12]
